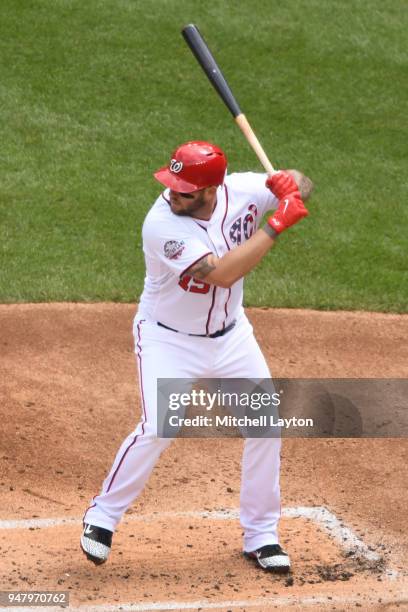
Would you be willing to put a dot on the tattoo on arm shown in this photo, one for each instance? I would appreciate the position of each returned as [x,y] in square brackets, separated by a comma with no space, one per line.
[200,269]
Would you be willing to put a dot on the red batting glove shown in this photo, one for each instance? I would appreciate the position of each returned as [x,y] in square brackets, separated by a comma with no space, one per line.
[290,210]
[281,184]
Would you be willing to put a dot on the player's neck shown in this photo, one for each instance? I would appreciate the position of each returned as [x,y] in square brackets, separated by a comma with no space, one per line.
[205,213]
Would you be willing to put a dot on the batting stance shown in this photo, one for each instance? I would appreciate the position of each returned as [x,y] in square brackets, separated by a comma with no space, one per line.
[200,239]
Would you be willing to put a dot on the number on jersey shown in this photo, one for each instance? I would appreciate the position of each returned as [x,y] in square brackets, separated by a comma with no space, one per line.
[188,283]
[244,226]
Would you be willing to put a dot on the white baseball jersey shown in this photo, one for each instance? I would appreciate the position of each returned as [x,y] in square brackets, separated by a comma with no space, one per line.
[173,243]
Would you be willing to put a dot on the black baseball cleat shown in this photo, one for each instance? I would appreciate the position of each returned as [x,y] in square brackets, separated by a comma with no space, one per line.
[271,558]
[96,543]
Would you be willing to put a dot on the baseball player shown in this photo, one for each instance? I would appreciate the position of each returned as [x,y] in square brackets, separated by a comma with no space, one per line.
[200,238]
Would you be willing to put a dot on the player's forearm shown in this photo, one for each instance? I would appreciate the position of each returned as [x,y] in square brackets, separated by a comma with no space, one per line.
[226,270]
[237,263]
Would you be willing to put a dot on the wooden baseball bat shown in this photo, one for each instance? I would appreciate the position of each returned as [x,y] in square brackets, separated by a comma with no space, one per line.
[205,58]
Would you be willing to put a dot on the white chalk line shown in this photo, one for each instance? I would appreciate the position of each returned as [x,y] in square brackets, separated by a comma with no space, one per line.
[264,603]
[342,534]
[326,520]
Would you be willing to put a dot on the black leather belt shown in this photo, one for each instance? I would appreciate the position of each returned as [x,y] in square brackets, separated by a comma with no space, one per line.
[216,334]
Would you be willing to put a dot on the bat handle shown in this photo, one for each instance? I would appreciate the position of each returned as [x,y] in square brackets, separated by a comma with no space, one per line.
[249,134]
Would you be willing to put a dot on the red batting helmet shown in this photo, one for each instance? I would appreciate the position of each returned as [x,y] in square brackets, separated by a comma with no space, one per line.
[193,165]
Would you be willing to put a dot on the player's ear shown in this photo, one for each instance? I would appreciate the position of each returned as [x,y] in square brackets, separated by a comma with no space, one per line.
[211,191]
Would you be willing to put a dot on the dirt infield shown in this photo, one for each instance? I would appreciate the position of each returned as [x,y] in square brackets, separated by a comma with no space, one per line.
[68,396]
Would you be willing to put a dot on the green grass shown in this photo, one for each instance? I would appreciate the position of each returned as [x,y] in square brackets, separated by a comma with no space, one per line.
[95,95]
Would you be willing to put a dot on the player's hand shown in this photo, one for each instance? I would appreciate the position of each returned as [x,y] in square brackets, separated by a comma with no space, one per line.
[290,210]
[281,184]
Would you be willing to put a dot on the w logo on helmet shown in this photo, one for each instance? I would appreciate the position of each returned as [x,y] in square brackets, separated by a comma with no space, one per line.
[176,166]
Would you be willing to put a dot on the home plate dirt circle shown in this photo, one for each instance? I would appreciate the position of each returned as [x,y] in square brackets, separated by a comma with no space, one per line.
[68,396]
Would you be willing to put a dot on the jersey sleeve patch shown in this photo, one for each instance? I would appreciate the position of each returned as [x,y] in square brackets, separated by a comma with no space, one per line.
[174,248]
[173,242]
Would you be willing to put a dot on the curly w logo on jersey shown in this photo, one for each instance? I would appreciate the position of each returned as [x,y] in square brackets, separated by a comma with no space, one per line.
[174,248]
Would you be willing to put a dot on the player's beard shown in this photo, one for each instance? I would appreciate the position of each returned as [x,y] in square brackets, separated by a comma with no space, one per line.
[192,207]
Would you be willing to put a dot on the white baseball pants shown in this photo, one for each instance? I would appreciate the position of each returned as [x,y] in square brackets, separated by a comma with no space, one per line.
[162,353]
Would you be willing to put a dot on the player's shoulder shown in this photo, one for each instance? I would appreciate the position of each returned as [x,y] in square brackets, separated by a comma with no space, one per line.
[246,182]
[160,220]
[161,205]
[160,211]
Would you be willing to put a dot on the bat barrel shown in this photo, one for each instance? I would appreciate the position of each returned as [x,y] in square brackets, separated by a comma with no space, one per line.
[207,62]
[205,58]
